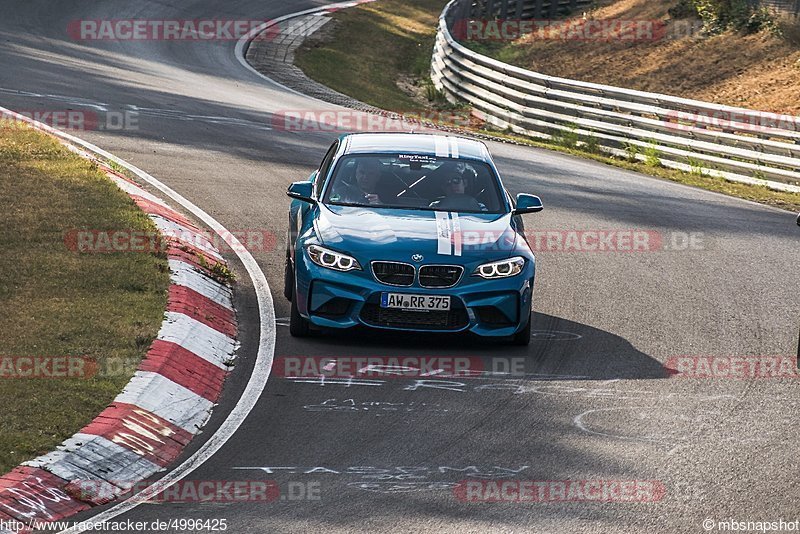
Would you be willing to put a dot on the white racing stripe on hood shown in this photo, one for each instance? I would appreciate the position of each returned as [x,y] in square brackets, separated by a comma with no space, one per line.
[443,233]
[441,147]
[456,233]
[453,147]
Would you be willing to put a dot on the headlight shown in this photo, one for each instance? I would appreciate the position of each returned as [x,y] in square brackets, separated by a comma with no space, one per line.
[330,259]
[500,269]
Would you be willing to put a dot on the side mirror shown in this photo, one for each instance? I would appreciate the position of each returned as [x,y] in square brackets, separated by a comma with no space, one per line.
[528,204]
[301,191]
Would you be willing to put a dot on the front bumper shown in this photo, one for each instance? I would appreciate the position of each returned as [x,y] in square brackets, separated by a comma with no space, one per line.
[335,299]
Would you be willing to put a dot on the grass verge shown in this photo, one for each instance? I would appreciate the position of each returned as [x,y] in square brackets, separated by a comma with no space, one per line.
[57,302]
[375,49]
[380,53]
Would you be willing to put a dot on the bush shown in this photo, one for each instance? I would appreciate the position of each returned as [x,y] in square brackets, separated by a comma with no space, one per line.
[632,152]
[684,9]
[591,144]
[652,157]
[568,138]
[790,30]
[721,15]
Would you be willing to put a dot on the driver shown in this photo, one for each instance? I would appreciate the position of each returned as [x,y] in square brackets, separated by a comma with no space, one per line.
[363,190]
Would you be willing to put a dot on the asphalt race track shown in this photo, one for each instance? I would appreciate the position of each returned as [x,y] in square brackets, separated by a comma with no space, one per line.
[594,402]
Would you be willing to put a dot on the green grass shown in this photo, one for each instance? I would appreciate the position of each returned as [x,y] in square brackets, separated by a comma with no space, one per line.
[57,302]
[374,45]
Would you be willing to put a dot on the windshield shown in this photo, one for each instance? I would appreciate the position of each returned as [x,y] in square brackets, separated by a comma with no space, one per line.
[416,182]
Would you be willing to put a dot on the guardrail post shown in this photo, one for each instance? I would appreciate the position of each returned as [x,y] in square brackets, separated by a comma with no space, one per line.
[537,11]
[489,9]
[518,12]
[473,10]
[468,10]
[573,5]
[553,9]
[504,9]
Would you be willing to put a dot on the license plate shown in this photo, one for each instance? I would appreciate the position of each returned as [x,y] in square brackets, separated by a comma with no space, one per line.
[405,301]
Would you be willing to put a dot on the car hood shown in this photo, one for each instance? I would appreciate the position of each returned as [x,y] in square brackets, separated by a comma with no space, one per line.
[397,234]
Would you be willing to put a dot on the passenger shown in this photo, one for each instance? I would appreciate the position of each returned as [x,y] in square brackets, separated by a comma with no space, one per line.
[455,195]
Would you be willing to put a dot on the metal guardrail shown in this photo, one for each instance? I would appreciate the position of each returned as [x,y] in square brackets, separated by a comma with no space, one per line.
[690,135]
[521,9]
[537,9]
[787,7]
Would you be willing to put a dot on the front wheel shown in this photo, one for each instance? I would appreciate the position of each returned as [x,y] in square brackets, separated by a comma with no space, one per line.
[523,337]
[288,278]
[298,325]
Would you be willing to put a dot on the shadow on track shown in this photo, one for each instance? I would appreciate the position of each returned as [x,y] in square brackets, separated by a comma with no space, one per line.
[560,350]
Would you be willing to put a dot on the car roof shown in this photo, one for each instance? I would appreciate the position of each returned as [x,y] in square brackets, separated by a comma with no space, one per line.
[448,146]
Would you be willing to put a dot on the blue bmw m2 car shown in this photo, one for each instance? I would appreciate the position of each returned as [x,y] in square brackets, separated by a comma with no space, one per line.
[410,232]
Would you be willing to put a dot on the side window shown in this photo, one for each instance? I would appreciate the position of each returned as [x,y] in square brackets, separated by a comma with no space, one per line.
[324,167]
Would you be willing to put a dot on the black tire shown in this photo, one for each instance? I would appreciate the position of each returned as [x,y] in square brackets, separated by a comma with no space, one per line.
[288,278]
[523,337]
[298,326]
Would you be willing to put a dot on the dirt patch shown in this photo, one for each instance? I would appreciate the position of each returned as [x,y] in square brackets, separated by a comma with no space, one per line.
[322,36]
[760,71]
[412,86]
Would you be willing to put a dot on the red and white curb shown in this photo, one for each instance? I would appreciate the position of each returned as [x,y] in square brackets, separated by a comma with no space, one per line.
[166,403]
